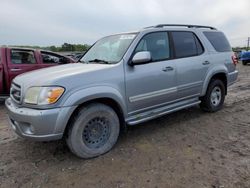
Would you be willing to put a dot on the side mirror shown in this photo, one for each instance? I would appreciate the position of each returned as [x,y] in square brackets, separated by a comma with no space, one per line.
[141,58]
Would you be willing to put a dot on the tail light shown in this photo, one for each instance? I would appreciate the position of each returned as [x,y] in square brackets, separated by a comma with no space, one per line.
[235,59]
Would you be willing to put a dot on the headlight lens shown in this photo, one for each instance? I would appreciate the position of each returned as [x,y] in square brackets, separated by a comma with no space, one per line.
[43,95]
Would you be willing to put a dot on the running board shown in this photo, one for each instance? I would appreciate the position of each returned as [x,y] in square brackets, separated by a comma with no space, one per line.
[157,113]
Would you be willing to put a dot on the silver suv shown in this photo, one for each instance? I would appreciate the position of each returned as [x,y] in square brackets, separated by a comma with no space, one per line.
[124,79]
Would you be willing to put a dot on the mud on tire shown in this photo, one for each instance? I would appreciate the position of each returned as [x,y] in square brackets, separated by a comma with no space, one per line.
[93,131]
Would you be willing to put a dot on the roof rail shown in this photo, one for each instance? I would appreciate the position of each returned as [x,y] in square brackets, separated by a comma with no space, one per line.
[181,25]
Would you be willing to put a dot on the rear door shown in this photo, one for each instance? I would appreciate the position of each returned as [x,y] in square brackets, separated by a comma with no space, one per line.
[1,73]
[192,62]
[20,61]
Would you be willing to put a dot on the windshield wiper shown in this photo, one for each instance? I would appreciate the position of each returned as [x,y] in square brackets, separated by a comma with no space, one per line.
[80,61]
[99,61]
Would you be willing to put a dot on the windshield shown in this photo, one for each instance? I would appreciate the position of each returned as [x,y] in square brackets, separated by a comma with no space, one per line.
[109,50]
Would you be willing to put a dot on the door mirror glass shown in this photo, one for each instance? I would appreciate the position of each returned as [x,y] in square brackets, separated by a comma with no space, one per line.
[141,57]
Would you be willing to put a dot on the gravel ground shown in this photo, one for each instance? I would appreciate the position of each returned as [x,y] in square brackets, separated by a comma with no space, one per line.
[189,148]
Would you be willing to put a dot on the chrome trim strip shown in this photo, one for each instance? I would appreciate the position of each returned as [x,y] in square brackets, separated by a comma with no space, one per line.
[15,88]
[234,72]
[4,97]
[163,104]
[189,86]
[152,94]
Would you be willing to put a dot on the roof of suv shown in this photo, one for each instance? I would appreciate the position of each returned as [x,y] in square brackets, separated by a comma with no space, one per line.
[179,27]
[182,25]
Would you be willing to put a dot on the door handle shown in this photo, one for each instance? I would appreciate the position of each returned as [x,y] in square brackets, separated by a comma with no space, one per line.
[15,69]
[166,69]
[206,63]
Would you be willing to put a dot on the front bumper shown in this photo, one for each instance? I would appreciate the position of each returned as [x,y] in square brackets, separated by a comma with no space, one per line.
[38,125]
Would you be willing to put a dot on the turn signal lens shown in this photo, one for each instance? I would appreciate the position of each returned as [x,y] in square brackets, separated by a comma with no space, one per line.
[54,94]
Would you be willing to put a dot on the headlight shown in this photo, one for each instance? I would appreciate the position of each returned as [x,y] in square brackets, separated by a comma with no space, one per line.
[43,95]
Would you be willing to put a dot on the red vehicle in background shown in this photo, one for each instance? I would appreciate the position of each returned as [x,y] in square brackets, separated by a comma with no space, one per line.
[15,61]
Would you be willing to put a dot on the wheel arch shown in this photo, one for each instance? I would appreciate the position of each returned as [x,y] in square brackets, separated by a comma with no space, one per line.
[107,101]
[221,75]
[109,96]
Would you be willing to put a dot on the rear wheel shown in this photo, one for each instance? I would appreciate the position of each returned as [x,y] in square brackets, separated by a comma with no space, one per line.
[94,131]
[214,98]
[244,62]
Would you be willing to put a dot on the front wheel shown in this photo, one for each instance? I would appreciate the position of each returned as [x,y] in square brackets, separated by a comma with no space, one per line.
[214,98]
[244,62]
[94,131]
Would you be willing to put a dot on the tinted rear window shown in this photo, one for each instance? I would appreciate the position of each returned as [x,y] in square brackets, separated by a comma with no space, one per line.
[186,44]
[219,41]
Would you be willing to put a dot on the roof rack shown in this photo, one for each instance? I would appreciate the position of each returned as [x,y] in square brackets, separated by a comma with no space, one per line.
[181,25]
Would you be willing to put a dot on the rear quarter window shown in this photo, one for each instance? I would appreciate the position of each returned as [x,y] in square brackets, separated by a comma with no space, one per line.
[218,41]
[186,44]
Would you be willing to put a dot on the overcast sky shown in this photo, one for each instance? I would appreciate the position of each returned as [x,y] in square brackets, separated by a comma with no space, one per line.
[53,22]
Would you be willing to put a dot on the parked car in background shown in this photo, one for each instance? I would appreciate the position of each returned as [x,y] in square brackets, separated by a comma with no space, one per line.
[245,57]
[76,55]
[238,53]
[124,79]
[15,61]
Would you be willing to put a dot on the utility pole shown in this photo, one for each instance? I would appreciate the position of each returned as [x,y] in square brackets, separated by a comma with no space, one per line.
[248,41]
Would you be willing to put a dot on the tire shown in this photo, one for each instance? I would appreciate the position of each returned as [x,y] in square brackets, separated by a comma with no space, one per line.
[244,62]
[93,131]
[215,96]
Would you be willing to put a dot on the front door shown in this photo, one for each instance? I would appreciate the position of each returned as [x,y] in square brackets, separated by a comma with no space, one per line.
[153,84]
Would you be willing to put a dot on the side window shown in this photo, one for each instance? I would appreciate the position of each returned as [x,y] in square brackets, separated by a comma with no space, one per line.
[157,44]
[200,48]
[186,44]
[49,58]
[22,57]
[219,41]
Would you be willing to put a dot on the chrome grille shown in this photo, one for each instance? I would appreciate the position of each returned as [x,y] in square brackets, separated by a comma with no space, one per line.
[15,93]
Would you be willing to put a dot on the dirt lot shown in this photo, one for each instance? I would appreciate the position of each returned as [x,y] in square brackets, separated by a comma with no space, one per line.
[189,148]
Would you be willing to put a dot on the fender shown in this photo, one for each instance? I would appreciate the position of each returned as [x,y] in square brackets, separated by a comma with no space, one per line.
[96,92]
[213,71]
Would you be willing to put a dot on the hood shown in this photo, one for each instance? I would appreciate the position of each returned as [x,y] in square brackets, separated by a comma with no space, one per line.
[51,75]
